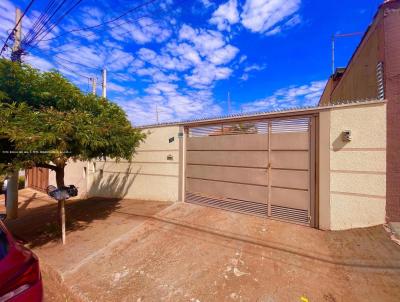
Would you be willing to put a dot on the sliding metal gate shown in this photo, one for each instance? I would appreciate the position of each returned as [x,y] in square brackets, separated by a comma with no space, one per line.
[262,167]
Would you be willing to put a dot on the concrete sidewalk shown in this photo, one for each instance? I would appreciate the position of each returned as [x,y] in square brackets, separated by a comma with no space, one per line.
[127,250]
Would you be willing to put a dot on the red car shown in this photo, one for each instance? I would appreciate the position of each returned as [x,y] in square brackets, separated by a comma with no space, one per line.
[20,278]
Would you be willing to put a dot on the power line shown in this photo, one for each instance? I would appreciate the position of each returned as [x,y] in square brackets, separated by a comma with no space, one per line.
[76,63]
[103,23]
[16,25]
[40,20]
[73,71]
[59,20]
[44,24]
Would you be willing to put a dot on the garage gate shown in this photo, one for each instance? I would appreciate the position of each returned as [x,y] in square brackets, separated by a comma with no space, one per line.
[262,167]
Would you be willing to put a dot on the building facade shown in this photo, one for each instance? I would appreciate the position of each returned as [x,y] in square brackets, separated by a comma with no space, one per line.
[322,167]
[373,72]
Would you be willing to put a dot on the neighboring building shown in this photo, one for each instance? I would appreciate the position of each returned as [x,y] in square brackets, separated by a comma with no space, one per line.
[373,72]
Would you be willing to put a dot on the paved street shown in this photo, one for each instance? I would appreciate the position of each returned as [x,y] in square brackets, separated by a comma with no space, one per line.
[153,251]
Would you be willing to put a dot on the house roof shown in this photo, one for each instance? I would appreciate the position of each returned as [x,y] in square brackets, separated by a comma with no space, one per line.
[342,73]
[263,114]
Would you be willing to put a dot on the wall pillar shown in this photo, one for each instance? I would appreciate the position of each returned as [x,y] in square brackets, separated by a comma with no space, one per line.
[324,206]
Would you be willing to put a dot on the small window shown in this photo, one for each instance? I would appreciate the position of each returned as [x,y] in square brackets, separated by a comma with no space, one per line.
[3,244]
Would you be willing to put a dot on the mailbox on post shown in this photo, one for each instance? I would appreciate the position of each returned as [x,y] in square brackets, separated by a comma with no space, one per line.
[62,193]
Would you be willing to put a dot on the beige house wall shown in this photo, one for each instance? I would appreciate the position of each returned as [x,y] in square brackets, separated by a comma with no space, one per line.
[153,173]
[351,176]
[75,174]
[357,168]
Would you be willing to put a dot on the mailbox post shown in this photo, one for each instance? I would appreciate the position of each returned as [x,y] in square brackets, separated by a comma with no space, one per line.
[61,195]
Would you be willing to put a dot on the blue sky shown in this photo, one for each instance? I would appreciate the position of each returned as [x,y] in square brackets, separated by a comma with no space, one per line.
[183,57]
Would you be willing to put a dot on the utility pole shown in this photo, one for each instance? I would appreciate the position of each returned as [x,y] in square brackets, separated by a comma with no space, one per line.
[229,102]
[16,52]
[104,83]
[157,113]
[12,185]
[94,83]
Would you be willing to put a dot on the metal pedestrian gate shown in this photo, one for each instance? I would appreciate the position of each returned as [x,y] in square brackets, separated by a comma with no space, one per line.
[262,167]
[37,178]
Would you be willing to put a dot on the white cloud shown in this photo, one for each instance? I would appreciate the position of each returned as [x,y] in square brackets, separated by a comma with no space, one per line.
[163,61]
[205,41]
[171,105]
[255,67]
[115,87]
[199,53]
[225,15]
[39,63]
[143,31]
[304,95]
[156,74]
[263,15]
[91,16]
[223,55]
[204,75]
[248,69]
[6,18]
[292,22]
[117,59]
[207,3]
[242,59]
[186,52]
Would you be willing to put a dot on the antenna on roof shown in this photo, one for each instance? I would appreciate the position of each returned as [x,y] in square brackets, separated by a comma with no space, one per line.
[334,36]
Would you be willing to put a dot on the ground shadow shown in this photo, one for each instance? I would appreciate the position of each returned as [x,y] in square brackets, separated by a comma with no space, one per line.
[27,202]
[40,225]
[37,226]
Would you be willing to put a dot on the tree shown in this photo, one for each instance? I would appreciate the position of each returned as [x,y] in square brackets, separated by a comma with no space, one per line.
[46,121]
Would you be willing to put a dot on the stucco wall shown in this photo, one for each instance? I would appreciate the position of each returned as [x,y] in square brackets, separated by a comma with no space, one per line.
[75,174]
[357,168]
[150,175]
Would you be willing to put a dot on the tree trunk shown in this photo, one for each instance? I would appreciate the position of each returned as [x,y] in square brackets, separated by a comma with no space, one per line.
[61,203]
[60,176]
[12,196]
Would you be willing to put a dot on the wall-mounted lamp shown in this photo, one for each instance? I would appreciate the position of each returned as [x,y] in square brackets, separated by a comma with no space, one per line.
[346,135]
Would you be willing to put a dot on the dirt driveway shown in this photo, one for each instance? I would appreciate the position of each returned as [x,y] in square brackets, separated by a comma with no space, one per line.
[127,250]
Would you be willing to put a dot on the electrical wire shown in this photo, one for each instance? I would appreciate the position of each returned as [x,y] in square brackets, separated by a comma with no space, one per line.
[59,20]
[16,25]
[43,26]
[73,71]
[103,23]
[76,63]
[93,33]
[35,27]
